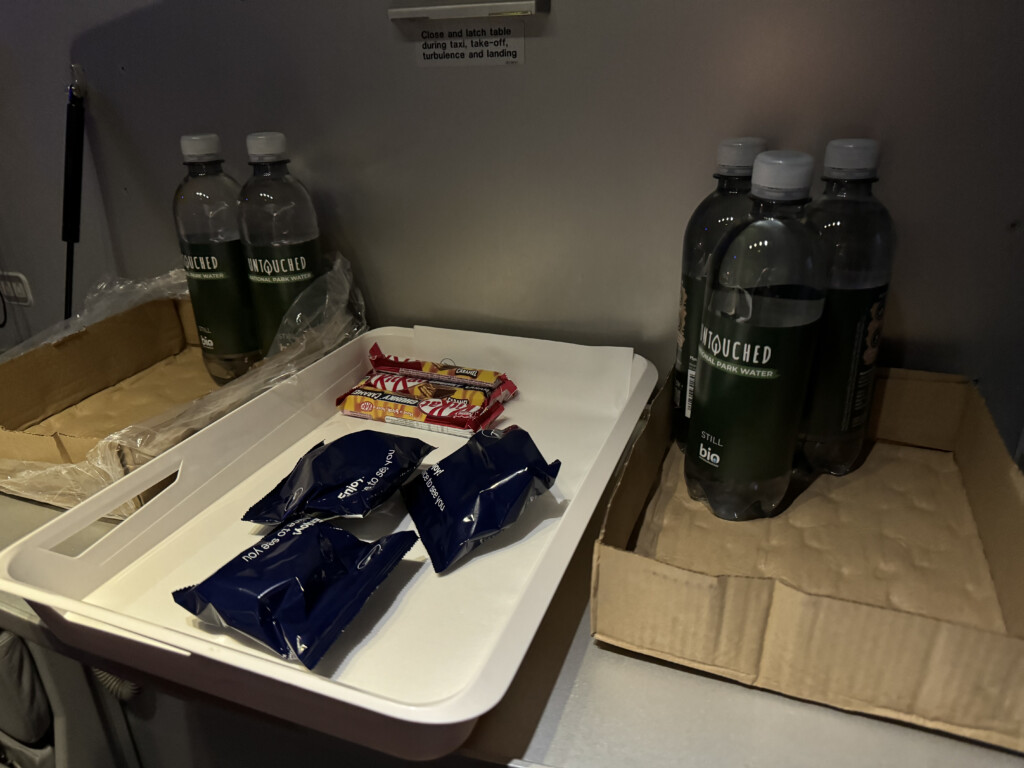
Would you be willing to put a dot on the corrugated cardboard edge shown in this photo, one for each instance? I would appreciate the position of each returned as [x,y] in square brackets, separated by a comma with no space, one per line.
[688,604]
[644,456]
[188,321]
[76,448]
[29,447]
[765,633]
[898,665]
[995,489]
[50,378]
[919,408]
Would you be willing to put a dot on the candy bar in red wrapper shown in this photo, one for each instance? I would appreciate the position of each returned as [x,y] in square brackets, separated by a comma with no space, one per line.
[425,389]
[437,408]
[498,384]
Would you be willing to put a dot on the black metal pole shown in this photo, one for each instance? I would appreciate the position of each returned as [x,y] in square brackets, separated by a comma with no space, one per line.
[74,145]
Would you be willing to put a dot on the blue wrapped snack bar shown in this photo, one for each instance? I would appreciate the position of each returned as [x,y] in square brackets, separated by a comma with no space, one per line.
[298,588]
[347,477]
[476,492]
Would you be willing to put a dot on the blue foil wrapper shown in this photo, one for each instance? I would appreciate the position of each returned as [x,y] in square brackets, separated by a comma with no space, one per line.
[347,477]
[475,492]
[298,588]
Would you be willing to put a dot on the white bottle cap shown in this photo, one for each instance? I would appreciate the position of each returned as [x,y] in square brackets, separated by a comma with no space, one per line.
[851,159]
[201,147]
[736,156]
[265,147]
[782,175]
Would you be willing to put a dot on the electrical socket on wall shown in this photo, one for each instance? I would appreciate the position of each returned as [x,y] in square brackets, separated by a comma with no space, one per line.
[15,288]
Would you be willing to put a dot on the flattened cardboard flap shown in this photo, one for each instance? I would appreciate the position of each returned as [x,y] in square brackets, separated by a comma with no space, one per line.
[894,664]
[712,622]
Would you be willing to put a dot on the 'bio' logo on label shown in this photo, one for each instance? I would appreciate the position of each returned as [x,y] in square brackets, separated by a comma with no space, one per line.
[710,457]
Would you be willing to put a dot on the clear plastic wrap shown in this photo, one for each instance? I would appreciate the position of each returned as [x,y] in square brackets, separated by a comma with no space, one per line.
[108,297]
[326,315]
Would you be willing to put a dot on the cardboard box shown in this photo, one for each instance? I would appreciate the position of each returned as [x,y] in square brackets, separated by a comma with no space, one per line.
[60,399]
[897,591]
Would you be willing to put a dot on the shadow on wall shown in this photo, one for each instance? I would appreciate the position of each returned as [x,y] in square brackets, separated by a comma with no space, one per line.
[185,67]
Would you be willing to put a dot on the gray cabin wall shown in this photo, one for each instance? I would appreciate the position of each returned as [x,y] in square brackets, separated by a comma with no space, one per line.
[549,197]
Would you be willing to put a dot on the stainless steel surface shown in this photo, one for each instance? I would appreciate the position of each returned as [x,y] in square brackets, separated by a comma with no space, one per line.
[611,708]
[465,10]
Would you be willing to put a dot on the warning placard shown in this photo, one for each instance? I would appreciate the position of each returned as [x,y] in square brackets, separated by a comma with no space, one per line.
[480,42]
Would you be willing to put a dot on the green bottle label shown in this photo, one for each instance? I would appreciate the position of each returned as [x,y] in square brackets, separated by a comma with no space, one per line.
[844,372]
[277,275]
[749,394]
[219,287]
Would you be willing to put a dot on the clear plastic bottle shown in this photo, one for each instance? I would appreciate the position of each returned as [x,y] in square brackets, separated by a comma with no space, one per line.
[856,233]
[279,231]
[764,298]
[728,205]
[206,217]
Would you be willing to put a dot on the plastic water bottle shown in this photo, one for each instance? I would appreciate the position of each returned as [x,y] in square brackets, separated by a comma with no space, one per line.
[856,232]
[728,205]
[764,298]
[206,217]
[279,231]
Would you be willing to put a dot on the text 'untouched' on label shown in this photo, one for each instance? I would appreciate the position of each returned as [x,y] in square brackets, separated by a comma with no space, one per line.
[472,43]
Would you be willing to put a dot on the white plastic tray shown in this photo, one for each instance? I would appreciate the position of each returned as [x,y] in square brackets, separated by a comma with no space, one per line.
[428,654]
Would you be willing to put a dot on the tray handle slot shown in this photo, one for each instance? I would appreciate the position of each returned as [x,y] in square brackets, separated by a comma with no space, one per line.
[73,555]
[53,560]
[83,538]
